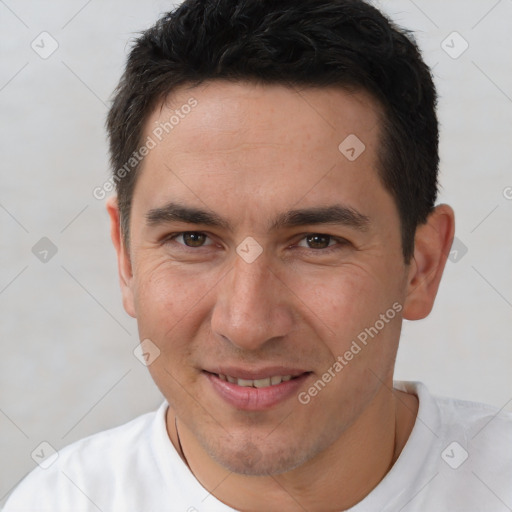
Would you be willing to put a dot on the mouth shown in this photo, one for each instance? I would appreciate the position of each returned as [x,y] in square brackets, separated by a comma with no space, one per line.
[256,383]
[257,391]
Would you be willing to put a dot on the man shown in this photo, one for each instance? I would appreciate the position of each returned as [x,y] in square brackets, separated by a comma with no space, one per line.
[275,221]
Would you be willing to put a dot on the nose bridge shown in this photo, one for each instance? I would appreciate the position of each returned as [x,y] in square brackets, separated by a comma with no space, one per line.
[251,306]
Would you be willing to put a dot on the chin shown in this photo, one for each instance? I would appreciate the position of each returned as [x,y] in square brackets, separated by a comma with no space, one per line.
[252,460]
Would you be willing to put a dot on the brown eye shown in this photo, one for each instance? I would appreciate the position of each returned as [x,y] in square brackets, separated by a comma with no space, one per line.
[318,241]
[192,239]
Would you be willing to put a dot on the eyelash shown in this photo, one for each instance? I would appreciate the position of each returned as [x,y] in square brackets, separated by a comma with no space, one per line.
[329,248]
[341,242]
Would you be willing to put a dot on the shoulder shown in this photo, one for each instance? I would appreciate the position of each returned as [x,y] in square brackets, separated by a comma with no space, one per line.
[472,420]
[479,432]
[484,431]
[478,420]
[91,463]
[462,454]
[110,447]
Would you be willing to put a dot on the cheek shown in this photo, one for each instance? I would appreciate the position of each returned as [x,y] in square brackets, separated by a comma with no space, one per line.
[164,297]
[344,300]
[171,306]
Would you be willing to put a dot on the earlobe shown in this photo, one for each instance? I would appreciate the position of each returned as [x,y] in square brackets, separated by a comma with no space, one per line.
[433,241]
[123,258]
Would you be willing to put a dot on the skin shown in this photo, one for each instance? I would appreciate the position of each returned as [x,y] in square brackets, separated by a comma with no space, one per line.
[249,153]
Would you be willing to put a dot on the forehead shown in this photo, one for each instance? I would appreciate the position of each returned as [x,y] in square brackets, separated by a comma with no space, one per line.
[228,113]
[271,144]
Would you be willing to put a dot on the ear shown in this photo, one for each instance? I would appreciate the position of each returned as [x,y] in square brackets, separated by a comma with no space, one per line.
[123,258]
[432,245]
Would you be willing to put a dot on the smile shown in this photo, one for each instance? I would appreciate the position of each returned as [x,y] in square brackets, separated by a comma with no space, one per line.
[256,383]
[264,391]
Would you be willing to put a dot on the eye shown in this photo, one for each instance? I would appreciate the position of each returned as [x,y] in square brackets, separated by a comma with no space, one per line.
[318,241]
[190,239]
[321,244]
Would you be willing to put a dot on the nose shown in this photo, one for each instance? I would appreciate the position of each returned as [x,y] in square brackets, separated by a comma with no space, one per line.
[253,306]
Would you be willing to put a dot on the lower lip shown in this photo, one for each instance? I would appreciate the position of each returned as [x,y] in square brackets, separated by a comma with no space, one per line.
[255,399]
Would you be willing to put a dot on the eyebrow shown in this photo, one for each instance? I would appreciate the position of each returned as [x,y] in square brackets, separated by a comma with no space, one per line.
[335,214]
[175,212]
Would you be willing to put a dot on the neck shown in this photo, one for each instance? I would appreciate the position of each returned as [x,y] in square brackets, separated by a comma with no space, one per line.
[337,478]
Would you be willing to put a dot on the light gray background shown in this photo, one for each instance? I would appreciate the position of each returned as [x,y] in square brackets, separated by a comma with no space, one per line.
[67,368]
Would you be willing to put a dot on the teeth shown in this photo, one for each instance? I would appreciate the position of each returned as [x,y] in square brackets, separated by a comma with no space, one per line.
[262,383]
[245,383]
[257,383]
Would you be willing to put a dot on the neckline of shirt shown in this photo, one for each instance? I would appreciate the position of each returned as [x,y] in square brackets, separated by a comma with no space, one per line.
[396,489]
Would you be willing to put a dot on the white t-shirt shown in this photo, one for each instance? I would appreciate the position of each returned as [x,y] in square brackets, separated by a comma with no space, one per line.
[458,459]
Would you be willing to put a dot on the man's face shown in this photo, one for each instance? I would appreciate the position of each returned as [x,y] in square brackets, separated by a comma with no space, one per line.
[322,264]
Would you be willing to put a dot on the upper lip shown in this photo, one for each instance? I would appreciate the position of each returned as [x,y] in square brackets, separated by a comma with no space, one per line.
[255,374]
